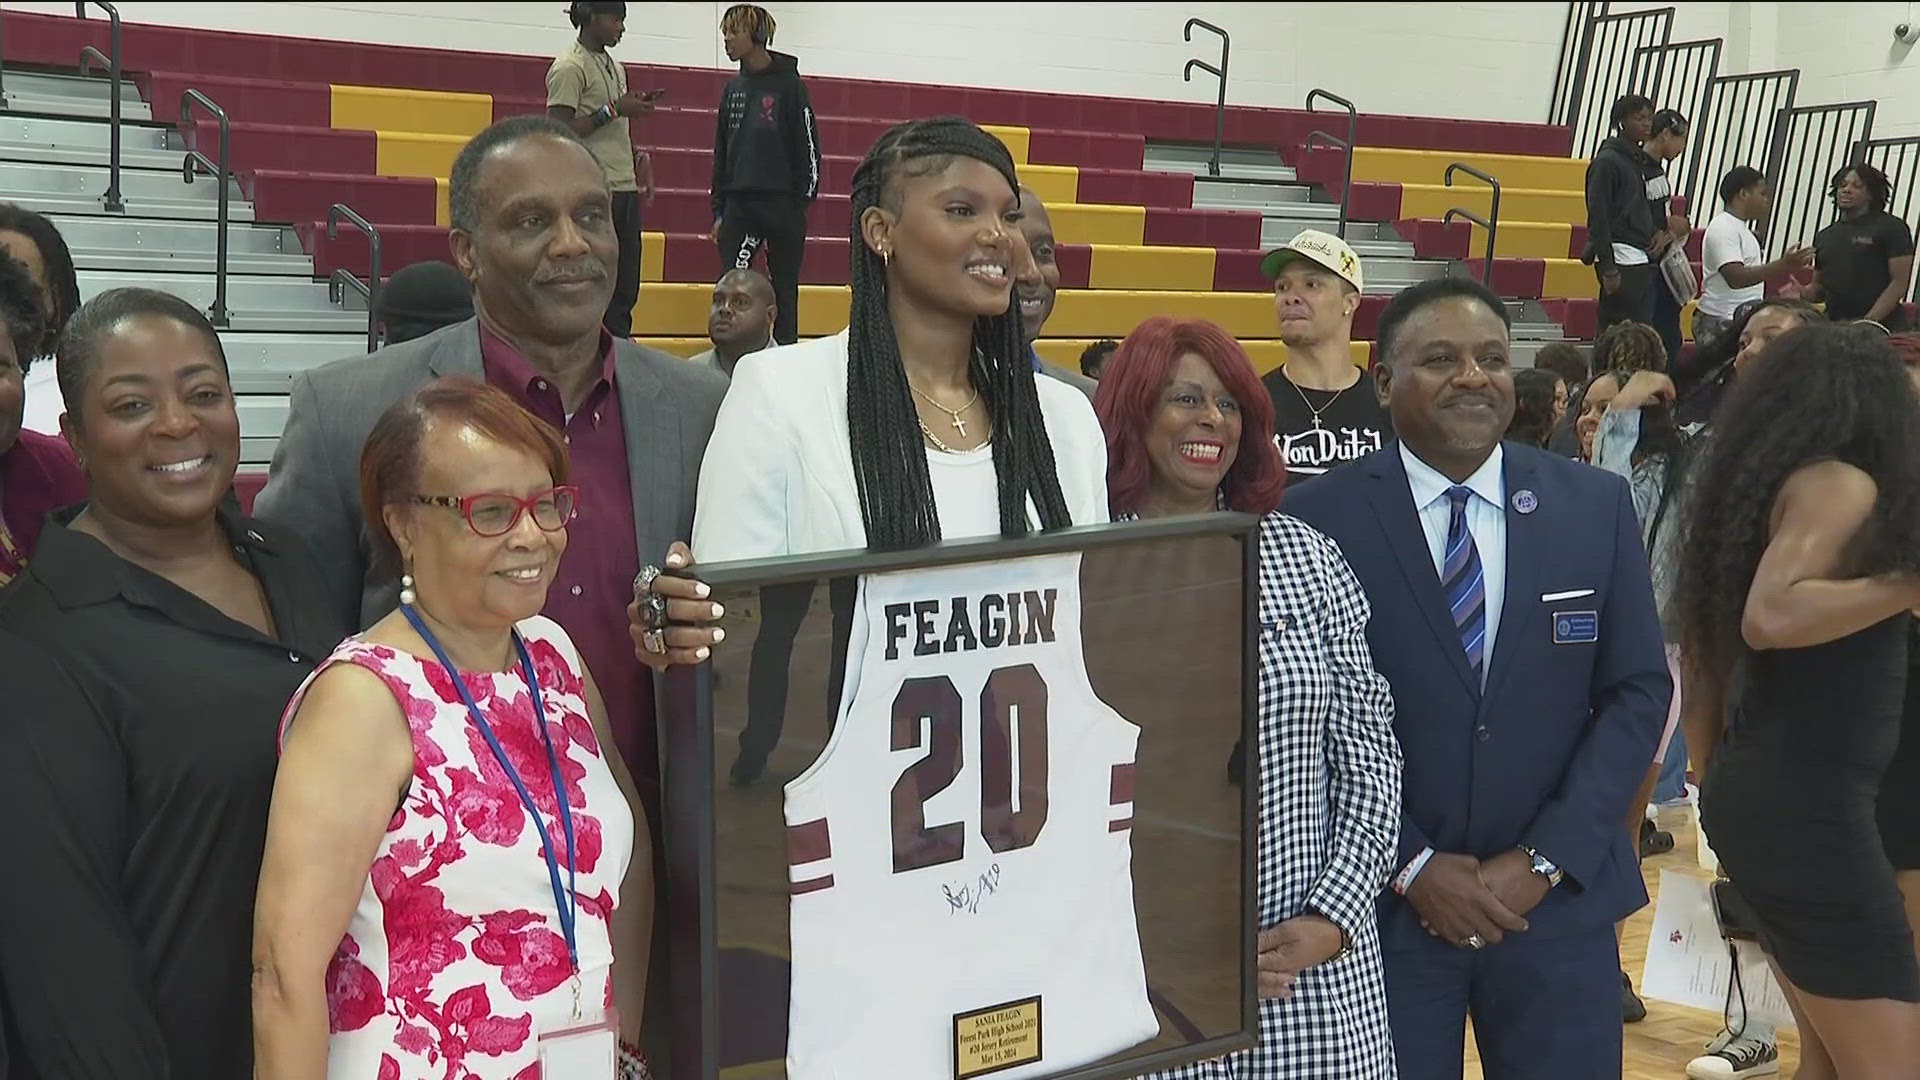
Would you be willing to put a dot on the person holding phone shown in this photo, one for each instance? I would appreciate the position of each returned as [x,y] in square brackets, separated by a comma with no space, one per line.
[587,91]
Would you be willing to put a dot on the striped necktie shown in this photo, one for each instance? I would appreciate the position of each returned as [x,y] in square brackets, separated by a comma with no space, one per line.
[1463,582]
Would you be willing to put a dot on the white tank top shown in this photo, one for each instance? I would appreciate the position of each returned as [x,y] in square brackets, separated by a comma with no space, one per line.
[964,841]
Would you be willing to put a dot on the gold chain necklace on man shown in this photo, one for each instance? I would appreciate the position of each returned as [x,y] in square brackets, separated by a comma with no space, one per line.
[1308,402]
[953,415]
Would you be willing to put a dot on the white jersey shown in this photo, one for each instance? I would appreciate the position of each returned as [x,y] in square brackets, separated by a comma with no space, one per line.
[964,842]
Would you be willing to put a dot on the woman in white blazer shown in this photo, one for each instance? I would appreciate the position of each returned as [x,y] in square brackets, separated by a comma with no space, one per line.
[1190,430]
[922,421]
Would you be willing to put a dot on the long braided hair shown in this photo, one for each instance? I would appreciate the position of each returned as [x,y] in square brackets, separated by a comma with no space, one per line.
[889,458]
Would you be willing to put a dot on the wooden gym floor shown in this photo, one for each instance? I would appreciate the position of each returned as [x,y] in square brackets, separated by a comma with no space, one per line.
[1659,1047]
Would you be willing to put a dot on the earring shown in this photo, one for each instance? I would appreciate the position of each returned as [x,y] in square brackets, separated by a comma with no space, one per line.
[886,258]
[407,595]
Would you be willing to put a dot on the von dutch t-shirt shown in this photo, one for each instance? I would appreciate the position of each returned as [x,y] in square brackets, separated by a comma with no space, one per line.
[1318,430]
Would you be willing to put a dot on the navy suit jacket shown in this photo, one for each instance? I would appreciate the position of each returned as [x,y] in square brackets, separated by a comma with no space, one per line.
[1549,755]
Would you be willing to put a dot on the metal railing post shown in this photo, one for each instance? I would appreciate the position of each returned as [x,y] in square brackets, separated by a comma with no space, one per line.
[1220,105]
[3,66]
[222,173]
[337,213]
[110,62]
[1491,222]
[1353,133]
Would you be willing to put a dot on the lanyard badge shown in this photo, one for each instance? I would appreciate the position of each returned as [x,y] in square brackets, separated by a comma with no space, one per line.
[565,898]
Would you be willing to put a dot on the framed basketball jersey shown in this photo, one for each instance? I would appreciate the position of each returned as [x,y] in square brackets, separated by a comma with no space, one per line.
[955,813]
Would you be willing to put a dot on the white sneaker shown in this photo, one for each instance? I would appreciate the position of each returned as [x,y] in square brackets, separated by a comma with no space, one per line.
[1730,1058]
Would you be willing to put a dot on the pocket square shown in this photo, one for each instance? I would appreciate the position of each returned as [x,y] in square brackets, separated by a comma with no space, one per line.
[1569,594]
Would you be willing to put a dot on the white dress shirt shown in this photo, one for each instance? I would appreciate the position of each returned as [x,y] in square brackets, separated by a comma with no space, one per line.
[1486,520]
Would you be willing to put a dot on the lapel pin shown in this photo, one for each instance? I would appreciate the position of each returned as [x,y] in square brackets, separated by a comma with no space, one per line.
[1526,501]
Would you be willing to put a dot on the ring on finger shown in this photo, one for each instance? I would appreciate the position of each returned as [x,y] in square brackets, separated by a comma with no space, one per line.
[653,611]
[643,581]
[654,641]
[1473,941]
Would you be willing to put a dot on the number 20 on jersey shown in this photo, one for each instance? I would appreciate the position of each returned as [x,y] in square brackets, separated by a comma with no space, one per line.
[1012,714]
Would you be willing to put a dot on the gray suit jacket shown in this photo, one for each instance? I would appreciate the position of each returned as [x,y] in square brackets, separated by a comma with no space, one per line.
[1071,378]
[667,407]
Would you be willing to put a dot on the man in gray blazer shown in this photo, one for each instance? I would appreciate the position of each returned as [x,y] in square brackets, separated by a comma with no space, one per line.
[532,232]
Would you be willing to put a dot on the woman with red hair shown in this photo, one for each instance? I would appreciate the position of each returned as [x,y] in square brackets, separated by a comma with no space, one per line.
[1190,430]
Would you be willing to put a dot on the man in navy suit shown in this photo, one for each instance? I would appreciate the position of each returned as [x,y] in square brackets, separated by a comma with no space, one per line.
[1513,615]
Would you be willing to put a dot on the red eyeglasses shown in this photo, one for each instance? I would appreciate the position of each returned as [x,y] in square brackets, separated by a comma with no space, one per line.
[495,513]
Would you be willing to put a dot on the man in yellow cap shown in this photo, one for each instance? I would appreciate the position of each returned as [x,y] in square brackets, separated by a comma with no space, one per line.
[1324,409]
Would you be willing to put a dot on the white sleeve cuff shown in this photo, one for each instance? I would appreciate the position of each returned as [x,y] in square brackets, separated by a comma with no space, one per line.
[1404,879]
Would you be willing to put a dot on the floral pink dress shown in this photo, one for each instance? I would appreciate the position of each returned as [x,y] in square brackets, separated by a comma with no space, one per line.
[454,962]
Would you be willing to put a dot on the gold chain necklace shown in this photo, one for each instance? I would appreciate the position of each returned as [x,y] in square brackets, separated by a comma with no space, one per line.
[959,425]
[943,447]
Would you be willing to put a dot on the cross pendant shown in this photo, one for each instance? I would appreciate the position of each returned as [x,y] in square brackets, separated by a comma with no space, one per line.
[1316,423]
[960,426]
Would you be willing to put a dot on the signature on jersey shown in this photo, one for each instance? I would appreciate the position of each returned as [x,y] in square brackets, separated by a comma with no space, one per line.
[966,897]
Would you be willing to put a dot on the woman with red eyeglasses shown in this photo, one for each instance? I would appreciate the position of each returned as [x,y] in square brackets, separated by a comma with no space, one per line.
[456,858]
[146,652]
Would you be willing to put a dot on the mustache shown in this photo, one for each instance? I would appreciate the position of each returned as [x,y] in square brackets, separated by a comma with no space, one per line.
[591,271]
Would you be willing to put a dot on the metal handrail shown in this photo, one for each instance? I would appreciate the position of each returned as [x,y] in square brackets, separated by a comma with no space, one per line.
[1353,133]
[1220,106]
[1491,222]
[3,66]
[340,281]
[337,213]
[221,171]
[110,62]
[1346,189]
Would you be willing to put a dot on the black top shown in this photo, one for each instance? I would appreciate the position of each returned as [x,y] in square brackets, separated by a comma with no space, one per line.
[1352,424]
[137,753]
[1852,255]
[766,138]
[1618,210]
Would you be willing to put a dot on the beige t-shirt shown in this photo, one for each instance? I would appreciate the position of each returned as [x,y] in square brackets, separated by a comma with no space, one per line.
[583,81]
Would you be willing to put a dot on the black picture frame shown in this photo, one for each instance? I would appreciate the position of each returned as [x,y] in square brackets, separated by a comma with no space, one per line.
[688,768]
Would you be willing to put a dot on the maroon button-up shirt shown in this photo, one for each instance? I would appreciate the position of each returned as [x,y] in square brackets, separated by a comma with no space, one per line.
[590,595]
[37,474]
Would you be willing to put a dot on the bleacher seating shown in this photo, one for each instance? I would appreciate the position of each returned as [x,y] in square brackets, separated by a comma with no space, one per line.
[1142,227]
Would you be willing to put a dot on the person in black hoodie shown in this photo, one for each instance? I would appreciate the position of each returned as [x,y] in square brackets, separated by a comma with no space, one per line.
[766,162]
[1620,223]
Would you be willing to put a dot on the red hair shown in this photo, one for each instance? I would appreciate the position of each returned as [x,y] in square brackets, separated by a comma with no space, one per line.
[390,461]
[1130,388]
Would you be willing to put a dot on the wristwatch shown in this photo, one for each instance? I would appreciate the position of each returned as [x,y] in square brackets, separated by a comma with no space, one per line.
[1346,943]
[1543,866]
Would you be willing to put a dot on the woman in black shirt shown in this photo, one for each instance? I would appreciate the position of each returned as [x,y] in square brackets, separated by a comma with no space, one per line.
[137,746]
[1863,261]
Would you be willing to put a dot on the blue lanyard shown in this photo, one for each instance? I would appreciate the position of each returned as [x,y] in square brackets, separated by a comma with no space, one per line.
[565,898]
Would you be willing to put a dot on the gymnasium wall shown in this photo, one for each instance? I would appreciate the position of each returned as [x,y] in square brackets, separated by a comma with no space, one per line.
[1488,60]
[1847,52]
[1484,60]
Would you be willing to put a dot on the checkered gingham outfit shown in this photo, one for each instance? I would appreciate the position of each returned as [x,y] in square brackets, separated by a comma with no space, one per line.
[1329,811]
